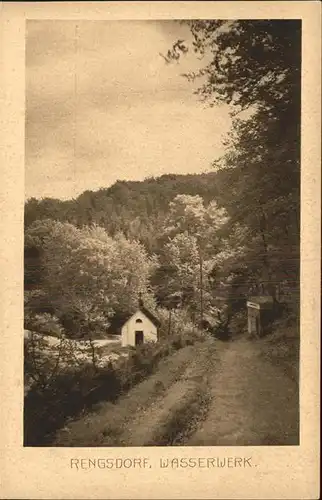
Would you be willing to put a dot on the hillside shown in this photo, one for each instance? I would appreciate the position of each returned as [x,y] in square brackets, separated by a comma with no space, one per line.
[135,208]
[174,220]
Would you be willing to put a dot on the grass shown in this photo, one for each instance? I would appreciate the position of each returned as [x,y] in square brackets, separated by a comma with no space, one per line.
[106,424]
[153,412]
[282,346]
[76,390]
[178,421]
[185,403]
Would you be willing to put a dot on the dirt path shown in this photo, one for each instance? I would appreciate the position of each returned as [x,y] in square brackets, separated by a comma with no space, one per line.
[212,393]
[170,416]
[252,401]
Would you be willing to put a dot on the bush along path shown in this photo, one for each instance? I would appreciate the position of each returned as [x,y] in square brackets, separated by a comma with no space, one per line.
[124,423]
[76,394]
[212,393]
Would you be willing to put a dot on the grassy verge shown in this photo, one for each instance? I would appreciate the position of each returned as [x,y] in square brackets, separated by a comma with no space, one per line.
[185,404]
[74,393]
[282,347]
[175,425]
[105,425]
[160,410]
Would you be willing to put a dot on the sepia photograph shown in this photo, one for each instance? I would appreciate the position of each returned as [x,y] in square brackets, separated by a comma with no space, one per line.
[162,233]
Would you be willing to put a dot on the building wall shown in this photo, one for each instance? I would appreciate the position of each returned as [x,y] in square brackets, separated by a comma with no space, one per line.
[150,331]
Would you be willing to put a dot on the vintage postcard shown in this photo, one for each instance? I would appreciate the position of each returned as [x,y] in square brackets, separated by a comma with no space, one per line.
[161,250]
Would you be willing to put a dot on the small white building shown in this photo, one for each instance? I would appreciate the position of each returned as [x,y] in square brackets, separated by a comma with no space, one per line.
[140,327]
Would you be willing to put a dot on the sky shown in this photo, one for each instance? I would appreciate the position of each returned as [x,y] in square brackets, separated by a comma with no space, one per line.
[102,105]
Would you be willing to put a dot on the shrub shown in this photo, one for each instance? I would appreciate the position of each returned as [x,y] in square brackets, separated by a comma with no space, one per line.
[76,388]
[180,322]
[44,323]
[176,342]
[71,392]
[238,323]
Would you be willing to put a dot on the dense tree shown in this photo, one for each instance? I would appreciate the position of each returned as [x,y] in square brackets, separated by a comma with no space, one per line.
[87,275]
[255,67]
[137,209]
[191,239]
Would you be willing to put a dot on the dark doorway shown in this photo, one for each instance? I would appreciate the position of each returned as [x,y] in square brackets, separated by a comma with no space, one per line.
[257,326]
[139,337]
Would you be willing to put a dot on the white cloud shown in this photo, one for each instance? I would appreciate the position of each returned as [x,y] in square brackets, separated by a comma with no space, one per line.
[103,105]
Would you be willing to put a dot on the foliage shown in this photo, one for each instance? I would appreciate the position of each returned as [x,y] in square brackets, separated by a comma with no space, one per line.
[282,347]
[189,213]
[73,388]
[87,276]
[250,63]
[181,323]
[46,357]
[255,67]
[45,323]
[192,236]
[137,209]
[46,409]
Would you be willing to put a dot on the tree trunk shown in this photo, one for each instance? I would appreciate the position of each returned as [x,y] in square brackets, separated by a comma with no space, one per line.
[201,285]
[268,275]
[93,353]
[169,324]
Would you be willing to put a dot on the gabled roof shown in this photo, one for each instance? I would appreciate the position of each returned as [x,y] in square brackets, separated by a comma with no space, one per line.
[119,319]
[149,315]
[262,301]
